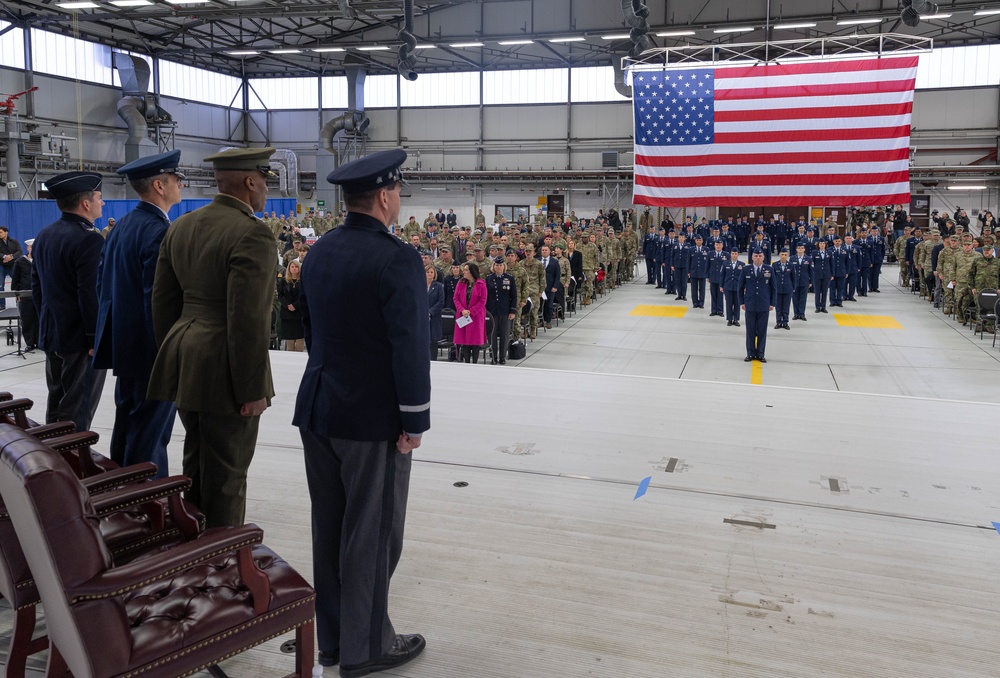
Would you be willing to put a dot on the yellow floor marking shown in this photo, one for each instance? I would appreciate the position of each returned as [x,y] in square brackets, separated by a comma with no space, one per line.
[756,372]
[660,311]
[878,322]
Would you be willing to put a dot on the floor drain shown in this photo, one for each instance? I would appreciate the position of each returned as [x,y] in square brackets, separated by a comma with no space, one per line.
[288,647]
[461,483]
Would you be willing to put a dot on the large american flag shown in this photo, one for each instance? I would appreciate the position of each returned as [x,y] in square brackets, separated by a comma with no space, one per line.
[816,133]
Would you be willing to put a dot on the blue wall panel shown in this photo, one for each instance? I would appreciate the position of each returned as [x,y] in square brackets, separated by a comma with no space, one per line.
[25,218]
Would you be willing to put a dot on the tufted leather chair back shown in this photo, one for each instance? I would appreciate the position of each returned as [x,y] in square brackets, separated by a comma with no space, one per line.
[62,543]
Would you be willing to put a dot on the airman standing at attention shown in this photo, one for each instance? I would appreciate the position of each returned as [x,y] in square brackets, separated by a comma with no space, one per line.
[946,272]
[591,262]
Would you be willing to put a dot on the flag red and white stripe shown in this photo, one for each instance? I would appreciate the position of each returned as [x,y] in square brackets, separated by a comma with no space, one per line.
[819,133]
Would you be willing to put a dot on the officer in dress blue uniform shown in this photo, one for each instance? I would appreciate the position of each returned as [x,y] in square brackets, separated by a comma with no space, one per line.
[822,265]
[877,246]
[732,274]
[501,301]
[363,405]
[716,269]
[728,237]
[853,263]
[64,289]
[784,285]
[839,268]
[757,298]
[802,270]
[658,258]
[668,247]
[126,342]
[699,264]
[761,243]
[680,262]
[864,261]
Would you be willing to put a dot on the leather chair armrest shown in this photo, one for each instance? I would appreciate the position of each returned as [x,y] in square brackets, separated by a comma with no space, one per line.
[118,477]
[211,544]
[15,405]
[59,428]
[137,494]
[5,395]
[73,441]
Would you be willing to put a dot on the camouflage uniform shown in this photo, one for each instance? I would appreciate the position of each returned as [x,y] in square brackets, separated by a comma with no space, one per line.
[521,280]
[963,268]
[536,283]
[899,249]
[922,261]
[985,274]
[591,262]
[946,267]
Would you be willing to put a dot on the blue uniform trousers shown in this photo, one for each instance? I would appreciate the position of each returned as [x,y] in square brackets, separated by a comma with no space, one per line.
[698,292]
[732,306]
[799,297]
[782,307]
[650,270]
[142,427]
[681,282]
[716,292]
[358,492]
[821,289]
[852,285]
[756,325]
[838,290]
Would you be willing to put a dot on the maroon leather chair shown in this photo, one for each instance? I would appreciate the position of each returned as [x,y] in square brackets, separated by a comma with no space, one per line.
[170,612]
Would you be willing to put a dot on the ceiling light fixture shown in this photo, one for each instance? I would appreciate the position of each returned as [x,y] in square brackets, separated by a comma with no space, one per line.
[130,3]
[674,34]
[460,45]
[967,188]
[243,53]
[426,47]
[619,36]
[285,51]
[932,17]
[787,27]
[328,49]
[374,48]
[573,39]
[514,42]
[77,5]
[987,12]
[736,29]
[859,22]
[187,2]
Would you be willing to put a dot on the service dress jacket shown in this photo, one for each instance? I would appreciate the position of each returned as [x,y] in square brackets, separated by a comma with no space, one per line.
[213,294]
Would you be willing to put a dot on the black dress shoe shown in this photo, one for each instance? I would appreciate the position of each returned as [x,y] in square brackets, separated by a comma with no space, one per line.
[329,658]
[736,323]
[747,359]
[803,318]
[778,326]
[729,324]
[787,327]
[762,359]
[824,311]
[403,650]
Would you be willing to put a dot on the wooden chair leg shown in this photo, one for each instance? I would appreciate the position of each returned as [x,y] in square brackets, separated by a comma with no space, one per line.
[57,665]
[21,644]
[305,650]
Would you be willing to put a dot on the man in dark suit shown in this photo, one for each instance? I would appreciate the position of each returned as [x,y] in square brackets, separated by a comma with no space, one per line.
[20,280]
[10,252]
[552,284]
[64,288]
[125,340]
[757,298]
[363,405]
[212,299]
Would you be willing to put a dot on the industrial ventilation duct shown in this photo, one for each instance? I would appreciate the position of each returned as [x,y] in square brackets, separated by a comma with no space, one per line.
[137,107]
[408,50]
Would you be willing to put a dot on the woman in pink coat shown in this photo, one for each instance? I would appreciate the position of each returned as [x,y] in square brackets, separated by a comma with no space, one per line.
[470,302]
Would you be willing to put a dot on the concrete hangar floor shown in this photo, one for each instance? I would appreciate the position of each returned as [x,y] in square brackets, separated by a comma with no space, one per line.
[828,513]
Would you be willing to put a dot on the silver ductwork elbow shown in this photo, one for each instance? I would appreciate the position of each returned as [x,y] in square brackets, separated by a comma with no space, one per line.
[130,109]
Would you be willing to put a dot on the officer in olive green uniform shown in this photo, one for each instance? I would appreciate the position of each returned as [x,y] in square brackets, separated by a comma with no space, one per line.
[985,273]
[536,283]
[899,249]
[211,304]
[591,262]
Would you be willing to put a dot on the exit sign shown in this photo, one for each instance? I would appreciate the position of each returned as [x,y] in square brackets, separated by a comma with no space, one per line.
[321,203]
